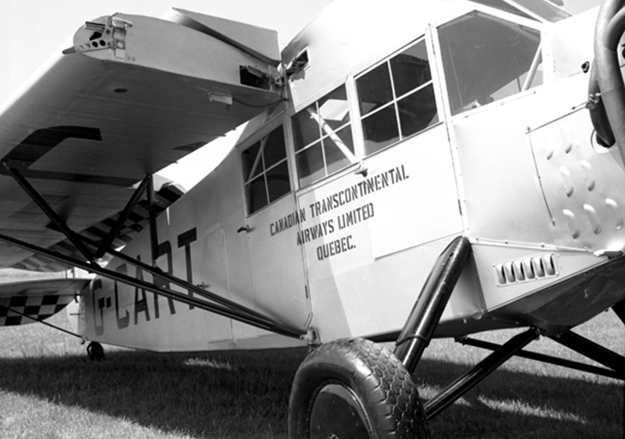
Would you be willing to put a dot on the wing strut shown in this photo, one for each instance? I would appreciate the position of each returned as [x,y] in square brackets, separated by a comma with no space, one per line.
[147,184]
[217,304]
[156,272]
[241,314]
[50,213]
[41,321]
[152,216]
[123,217]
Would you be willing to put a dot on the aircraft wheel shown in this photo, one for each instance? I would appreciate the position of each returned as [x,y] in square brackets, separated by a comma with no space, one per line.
[95,351]
[354,389]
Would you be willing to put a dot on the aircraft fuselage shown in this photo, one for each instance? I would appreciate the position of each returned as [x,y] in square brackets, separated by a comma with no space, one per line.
[332,207]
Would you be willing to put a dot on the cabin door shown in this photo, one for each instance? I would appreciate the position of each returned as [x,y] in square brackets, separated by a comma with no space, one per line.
[273,219]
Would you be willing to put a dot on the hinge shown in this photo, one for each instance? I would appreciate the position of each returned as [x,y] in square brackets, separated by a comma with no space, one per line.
[102,36]
[120,28]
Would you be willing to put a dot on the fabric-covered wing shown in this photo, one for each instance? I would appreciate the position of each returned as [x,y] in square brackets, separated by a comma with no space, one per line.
[37,299]
[131,96]
[134,224]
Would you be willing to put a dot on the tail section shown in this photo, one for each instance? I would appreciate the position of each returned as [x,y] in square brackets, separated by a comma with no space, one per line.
[36,300]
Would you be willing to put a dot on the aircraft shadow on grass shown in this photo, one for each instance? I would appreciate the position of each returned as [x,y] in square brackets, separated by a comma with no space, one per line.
[243,394]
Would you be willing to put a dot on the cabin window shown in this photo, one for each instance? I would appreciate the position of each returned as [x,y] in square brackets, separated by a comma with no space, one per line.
[266,171]
[487,59]
[396,98]
[323,137]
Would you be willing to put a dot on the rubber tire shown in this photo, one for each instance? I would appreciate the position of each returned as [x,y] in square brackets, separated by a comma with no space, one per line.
[384,390]
[95,351]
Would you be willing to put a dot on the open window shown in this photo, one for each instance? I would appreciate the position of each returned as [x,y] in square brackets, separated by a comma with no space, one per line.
[323,137]
[266,171]
[487,59]
[396,98]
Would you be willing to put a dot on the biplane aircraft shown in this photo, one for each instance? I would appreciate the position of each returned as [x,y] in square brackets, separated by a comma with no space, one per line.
[409,170]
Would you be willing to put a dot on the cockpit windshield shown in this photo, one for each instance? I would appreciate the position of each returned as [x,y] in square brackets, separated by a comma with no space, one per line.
[487,59]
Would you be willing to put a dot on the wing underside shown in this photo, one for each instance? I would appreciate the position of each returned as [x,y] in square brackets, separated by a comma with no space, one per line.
[133,95]
[36,300]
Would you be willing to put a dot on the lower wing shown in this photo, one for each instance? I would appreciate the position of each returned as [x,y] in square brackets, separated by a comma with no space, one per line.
[36,300]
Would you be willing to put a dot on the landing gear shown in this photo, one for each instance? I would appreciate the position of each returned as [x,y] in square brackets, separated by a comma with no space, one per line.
[357,389]
[95,351]
[354,389]
[619,309]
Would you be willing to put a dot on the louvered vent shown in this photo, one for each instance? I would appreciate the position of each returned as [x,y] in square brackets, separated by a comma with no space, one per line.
[528,269]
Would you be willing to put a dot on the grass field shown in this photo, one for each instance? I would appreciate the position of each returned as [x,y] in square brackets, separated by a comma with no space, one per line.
[50,390]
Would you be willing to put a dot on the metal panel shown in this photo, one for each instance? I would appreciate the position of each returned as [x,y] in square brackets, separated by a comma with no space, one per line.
[274,254]
[582,184]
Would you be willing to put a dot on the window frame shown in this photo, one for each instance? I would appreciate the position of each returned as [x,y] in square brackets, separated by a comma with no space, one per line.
[349,155]
[445,101]
[249,143]
[434,82]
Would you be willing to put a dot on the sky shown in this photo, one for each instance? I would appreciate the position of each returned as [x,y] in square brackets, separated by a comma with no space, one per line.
[34,29]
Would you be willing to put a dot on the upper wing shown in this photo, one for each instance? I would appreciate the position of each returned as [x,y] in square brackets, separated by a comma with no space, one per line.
[131,96]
